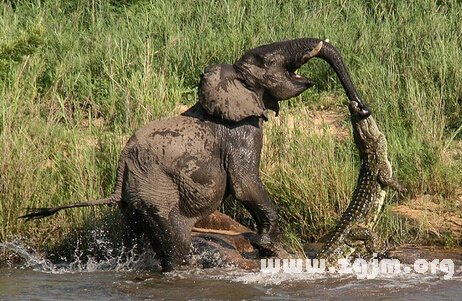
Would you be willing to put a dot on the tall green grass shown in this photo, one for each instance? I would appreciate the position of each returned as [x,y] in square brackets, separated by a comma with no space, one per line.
[78,77]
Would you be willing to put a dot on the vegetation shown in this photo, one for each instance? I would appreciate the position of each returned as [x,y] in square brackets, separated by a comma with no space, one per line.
[77,78]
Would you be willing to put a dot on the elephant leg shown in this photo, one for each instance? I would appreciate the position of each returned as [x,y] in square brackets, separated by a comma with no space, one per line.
[263,211]
[142,229]
[245,184]
[169,237]
[162,241]
[150,203]
[249,190]
[171,240]
[175,240]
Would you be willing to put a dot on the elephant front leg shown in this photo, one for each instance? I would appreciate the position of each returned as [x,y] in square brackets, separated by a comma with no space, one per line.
[244,183]
[249,190]
[256,200]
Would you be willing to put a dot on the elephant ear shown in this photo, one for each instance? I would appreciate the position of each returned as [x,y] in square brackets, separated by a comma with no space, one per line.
[223,95]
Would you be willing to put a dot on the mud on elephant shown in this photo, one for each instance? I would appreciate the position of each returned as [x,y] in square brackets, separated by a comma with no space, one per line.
[174,172]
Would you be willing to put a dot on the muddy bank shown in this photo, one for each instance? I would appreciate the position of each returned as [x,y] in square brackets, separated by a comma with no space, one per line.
[408,254]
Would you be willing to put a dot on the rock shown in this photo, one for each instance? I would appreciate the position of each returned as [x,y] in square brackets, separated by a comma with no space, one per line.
[218,240]
[220,221]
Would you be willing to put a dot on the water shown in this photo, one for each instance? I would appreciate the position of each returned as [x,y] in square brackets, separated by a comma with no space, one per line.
[112,278]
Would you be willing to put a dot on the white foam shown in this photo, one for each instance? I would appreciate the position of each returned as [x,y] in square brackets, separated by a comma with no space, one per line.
[111,260]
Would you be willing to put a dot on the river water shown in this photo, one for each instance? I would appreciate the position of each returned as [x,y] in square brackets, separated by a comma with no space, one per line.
[115,279]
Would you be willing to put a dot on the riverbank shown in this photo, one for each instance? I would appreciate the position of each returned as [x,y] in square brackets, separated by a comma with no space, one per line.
[78,78]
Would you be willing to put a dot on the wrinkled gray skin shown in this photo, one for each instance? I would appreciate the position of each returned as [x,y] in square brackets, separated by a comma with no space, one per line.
[174,172]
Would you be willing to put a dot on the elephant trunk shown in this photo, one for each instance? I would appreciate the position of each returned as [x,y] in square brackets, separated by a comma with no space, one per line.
[331,55]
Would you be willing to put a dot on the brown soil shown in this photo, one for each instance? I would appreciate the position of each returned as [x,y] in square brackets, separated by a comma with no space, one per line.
[314,122]
[329,121]
[453,152]
[431,213]
[181,108]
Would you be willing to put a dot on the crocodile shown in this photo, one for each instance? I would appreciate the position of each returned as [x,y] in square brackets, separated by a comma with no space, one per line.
[353,234]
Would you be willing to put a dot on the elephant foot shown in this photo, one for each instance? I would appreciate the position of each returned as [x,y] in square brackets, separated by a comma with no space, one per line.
[270,245]
[271,250]
[174,263]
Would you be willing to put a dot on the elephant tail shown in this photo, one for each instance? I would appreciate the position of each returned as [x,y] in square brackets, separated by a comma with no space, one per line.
[38,213]
[113,199]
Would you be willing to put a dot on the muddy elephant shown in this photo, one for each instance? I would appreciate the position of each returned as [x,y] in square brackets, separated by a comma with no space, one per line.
[174,172]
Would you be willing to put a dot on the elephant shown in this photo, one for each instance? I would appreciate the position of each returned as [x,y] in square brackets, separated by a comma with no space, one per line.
[175,171]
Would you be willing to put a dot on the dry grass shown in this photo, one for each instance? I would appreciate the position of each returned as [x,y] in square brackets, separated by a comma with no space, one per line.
[434,215]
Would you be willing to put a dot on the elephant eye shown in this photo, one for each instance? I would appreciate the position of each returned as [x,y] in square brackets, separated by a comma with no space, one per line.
[259,60]
[272,61]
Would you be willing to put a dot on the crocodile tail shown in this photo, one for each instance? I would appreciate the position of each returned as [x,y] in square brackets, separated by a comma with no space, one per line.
[332,248]
[361,202]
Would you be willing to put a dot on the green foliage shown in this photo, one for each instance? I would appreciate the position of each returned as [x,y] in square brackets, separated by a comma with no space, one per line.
[78,77]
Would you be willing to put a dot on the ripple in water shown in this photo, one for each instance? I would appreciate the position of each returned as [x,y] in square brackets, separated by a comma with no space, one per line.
[120,282]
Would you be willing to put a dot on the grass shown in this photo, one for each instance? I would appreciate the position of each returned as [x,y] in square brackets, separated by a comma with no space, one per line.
[77,78]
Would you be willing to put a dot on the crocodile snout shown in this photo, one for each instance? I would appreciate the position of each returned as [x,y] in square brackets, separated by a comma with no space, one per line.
[359,109]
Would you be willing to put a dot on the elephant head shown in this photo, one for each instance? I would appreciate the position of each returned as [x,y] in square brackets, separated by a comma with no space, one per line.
[265,75]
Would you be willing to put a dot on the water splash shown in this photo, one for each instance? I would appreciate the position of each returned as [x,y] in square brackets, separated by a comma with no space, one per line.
[396,280]
[108,258]
[99,253]
[28,255]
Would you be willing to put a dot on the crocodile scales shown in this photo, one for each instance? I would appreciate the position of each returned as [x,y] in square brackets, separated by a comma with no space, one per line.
[354,231]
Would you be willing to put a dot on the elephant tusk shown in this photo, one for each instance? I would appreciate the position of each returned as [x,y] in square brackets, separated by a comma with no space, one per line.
[313,52]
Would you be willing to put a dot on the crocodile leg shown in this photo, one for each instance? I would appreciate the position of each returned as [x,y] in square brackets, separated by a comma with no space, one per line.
[363,240]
